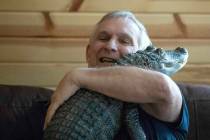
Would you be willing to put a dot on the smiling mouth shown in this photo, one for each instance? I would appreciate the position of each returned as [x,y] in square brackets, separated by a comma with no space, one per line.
[107,60]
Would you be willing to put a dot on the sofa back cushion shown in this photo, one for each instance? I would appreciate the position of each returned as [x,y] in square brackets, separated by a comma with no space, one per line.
[198,100]
[23,109]
[22,112]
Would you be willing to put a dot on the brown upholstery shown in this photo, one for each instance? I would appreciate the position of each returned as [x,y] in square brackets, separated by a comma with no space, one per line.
[23,108]
[198,100]
[22,112]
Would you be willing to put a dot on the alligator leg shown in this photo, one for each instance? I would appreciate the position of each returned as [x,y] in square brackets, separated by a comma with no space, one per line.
[132,121]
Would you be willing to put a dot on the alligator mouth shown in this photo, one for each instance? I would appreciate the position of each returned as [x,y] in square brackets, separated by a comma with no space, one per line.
[107,60]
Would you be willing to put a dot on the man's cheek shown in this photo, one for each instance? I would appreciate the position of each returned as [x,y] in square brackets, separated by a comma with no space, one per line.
[127,51]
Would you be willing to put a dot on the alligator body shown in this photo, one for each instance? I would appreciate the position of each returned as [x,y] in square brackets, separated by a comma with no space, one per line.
[89,115]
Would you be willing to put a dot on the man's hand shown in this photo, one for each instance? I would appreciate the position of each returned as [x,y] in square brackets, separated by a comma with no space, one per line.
[66,88]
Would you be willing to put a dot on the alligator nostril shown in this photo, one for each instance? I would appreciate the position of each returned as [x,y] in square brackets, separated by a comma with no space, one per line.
[178,48]
[182,50]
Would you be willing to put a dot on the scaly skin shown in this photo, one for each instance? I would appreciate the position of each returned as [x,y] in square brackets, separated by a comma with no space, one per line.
[89,115]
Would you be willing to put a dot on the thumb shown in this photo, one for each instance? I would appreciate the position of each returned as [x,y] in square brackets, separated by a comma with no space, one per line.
[50,112]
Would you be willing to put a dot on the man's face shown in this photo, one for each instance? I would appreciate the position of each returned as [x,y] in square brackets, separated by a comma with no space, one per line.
[113,38]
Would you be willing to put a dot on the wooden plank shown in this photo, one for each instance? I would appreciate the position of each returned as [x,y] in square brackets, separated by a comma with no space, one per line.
[74,24]
[75,5]
[179,6]
[160,25]
[81,24]
[73,49]
[22,24]
[151,6]
[39,74]
[42,50]
[35,24]
[35,5]
[197,25]
[185,6]
[49,74]
[110,5]
[199,49]
[194,73]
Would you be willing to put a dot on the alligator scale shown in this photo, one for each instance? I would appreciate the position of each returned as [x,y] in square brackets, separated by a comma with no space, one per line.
[89,115]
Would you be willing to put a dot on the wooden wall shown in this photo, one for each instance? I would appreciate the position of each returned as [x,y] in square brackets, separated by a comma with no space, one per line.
[40,40]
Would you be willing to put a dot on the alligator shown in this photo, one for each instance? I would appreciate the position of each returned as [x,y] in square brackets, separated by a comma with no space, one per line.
[89,115]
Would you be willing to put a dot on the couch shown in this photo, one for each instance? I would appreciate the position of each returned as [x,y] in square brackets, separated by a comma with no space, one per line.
[23,109]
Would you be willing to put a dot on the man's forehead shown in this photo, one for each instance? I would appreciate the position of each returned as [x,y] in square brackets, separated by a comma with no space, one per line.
[120,34]
[122,26]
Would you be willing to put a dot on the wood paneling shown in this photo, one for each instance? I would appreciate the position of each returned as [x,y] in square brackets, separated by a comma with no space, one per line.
[42,50]
[81,24]
[73,49]
[40,40]
[74,24]
[35,5]
[160,25]
[22,24]
[110,5]
[179,6]
[44,61]
[191,73]
[197,25]
[166,6]
[40,74]
[199,49]
[169,6]
[49,74]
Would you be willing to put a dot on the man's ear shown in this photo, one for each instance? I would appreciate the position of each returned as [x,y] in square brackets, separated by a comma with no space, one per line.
[87,48]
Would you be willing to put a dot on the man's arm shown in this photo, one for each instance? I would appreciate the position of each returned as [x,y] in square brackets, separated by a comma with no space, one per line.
[157,93]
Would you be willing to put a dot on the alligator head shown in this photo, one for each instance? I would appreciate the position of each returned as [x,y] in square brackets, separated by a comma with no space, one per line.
[165,61]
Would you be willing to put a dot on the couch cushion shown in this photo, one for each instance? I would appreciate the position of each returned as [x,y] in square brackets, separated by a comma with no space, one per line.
[22,110]
[198,100]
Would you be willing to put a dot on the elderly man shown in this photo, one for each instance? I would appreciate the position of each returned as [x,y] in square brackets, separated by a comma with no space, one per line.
[163,110]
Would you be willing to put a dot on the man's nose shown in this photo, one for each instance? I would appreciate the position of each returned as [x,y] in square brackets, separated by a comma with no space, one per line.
[112,45]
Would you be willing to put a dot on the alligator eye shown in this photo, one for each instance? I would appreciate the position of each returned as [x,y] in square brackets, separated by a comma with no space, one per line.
[150,48]
[159,51]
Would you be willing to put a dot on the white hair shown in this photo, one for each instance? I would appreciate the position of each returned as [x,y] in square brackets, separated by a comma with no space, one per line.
[143,38]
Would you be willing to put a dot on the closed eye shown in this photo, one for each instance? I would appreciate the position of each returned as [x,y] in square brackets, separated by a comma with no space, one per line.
[125,41]
[103,36]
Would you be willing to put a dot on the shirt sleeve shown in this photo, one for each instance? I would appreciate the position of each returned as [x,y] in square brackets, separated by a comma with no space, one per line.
[182,125]
[177,130]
